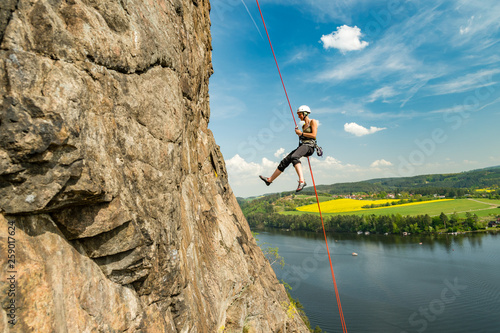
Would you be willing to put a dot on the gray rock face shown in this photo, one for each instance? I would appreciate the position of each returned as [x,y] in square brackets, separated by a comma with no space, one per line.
[125,221]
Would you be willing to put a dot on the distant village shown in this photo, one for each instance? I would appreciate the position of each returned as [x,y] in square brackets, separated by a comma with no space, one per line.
[384,195]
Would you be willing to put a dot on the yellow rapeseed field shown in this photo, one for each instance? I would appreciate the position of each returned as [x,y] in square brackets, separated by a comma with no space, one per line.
[483,190]
[352,205]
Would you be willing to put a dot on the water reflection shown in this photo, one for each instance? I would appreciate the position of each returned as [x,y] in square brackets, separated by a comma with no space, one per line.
[442,241]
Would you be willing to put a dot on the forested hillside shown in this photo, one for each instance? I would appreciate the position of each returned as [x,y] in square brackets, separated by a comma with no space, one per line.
[456,183]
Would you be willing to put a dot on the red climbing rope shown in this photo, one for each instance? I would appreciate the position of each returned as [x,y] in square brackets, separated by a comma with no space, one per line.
[344,327]
[277,66]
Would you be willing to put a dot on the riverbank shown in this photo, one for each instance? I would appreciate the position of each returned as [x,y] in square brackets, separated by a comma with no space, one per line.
[481,231]
[373,224]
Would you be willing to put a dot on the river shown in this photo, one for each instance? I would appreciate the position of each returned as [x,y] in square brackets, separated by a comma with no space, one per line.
[395,284]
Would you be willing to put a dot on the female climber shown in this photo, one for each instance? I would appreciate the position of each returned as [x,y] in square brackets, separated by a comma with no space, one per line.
[307,143]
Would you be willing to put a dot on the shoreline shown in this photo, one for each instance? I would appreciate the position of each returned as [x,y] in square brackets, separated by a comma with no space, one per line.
[489,230]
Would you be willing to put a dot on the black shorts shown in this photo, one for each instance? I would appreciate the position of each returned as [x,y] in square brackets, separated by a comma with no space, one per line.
[303,150]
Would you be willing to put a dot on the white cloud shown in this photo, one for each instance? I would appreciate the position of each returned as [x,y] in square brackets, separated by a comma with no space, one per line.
[354,109]
[243,175]
[329,162]
[385,59]
[482,19]
[300,54]
[466,29]
[237,166]
[279,153]
[268,164]
[382,93]
[359,130]
[329,169]
[471,81]
[344,39]
[461,108]
[381,163]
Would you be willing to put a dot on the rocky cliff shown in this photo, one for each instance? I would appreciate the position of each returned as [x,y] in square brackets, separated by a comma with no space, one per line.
[115,210]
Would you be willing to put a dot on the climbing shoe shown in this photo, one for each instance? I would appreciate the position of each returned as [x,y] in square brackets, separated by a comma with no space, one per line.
[301,186]
[265,180]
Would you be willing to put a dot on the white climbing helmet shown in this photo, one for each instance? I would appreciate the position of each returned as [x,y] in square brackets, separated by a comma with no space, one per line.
[305,109]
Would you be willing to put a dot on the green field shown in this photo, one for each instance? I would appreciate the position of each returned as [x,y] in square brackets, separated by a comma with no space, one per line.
[320,197]
[481,207]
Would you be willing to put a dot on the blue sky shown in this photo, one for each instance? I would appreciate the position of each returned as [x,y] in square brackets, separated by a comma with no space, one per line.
[400,88]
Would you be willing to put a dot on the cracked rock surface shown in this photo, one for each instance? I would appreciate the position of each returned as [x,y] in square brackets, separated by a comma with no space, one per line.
[125,221]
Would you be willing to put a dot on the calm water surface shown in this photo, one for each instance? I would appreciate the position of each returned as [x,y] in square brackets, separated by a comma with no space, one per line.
[446,284]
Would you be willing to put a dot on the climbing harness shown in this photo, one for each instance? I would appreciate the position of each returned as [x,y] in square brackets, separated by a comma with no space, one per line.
[344,327]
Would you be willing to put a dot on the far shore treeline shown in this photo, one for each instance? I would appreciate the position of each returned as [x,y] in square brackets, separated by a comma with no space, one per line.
[392,224]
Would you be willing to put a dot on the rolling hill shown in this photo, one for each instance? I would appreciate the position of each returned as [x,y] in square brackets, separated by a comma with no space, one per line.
[475,179]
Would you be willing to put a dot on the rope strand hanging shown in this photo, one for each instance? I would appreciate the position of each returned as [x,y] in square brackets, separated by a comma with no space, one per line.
[344,327]
[276,61]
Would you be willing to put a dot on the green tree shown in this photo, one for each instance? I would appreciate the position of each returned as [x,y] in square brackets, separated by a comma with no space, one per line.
[444,219]
[382,194]
[414,228]
[454,219]
[395,229]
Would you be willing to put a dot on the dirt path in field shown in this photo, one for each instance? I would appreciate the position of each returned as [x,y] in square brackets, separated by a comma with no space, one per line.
[491,206]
